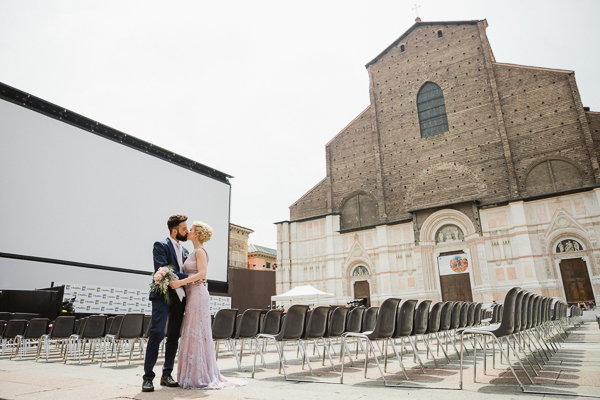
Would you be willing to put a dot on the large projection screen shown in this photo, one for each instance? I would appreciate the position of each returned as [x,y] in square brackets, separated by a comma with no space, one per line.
[69,194]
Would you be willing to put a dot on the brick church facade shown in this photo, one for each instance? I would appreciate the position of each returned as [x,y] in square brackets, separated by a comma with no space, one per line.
[462,178]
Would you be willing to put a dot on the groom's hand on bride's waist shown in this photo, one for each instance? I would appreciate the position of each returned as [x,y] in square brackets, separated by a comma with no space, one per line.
[198,282]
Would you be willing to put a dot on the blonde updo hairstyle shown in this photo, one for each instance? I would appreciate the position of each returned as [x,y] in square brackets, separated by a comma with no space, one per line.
[204,231]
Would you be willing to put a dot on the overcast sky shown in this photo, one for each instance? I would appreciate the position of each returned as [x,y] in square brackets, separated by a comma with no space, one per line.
[256,88]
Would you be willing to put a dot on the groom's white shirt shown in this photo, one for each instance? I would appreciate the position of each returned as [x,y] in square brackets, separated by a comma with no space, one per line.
[178,251]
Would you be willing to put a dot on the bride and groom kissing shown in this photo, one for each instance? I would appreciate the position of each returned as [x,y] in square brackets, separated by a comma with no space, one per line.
[197,366]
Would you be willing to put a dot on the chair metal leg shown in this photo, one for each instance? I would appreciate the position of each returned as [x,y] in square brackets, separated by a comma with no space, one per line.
[416,353]
[429,350]
[399,359]
[444,351]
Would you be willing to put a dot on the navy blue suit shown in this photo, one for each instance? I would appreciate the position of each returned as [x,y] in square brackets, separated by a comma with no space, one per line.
[164,255]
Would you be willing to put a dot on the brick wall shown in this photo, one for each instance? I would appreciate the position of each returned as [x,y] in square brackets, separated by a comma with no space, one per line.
[502,119]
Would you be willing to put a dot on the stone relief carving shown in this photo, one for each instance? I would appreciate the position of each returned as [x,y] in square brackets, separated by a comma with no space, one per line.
[592,235]
[568,245]
[449,233]
[547,265]
[361,270]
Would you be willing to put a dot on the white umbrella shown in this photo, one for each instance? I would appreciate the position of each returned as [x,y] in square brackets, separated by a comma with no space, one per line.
[302,292]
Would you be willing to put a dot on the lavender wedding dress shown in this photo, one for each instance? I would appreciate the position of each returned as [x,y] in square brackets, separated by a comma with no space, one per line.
[197,367]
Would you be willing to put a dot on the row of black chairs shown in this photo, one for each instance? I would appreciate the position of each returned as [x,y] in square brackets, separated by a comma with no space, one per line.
[373,324]
[71,336]
[533,323]
[396,321]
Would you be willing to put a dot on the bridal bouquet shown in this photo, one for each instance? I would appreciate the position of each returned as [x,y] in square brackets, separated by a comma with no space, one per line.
[162,277]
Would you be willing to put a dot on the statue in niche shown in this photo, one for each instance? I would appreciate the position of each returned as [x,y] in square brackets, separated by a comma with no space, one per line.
[360,271]
[568,245]
[449,233]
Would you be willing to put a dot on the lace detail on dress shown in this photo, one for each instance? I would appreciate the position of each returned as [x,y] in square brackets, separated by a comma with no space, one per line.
[197,367]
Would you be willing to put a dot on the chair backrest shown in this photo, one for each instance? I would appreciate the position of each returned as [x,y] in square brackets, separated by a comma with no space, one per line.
[421,317]
[435,317]
[446,318]
[147,325]
[249,324]
[456,309]
[223,326]
[294,323]
[132,326]
[94,327]
[369,319]
[385,323]
[471,314]
[116,325]
[507,325]
[525,311]
[536,310]
[272,322]
[317,324]
[108,325]
[518,309]
[2,326]
[477,314]
[63,327]
[495,313]
[36,328]
[337,322]
[14,327]
[464,314]
[555,311]
[354,319]
[405,319]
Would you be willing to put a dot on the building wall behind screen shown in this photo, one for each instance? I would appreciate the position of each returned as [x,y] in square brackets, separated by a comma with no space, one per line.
[251,289]
[68,194]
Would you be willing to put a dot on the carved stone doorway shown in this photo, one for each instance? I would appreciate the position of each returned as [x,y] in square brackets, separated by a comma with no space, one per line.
[576,280]
[456,287]
[361,291]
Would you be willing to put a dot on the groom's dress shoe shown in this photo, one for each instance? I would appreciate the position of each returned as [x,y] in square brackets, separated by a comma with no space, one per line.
[147,386]
[168,381]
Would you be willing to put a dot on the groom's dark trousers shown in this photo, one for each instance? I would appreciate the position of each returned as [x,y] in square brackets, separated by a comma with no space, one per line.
[164,254]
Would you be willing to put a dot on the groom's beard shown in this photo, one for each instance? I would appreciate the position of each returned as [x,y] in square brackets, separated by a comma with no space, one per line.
[181,238]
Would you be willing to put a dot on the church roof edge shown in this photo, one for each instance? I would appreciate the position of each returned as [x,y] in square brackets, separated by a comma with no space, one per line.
[347,125]
[415,25]
[566,71]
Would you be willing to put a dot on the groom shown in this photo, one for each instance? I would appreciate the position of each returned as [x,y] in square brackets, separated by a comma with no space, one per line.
[168,252]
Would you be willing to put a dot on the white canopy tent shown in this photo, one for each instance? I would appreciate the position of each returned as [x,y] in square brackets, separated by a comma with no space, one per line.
[301,293]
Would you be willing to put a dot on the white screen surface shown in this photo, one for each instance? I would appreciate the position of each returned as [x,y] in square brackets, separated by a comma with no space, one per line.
[68,194]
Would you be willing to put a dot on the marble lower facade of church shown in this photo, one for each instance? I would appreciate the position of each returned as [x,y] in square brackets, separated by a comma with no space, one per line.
[547,245]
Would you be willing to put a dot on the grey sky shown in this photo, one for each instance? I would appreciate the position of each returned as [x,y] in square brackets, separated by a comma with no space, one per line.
[256,88]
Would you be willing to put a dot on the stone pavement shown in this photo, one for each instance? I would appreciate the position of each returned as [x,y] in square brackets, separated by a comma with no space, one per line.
[574,369]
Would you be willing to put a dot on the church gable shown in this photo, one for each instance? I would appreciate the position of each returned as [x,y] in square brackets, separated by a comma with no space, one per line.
[314,202]
[542,123]
[351,159]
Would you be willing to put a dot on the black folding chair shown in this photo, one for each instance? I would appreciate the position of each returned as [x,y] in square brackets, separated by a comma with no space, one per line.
[382,331]
[291,331]
[131,328]
[61,331]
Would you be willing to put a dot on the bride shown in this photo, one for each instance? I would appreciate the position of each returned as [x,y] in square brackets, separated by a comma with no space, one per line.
[197,367]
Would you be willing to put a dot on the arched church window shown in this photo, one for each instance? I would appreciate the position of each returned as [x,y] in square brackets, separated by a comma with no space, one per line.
[401,48]
[440,34]
[449,233]
[361,270]
[552,176]
[360,210]
[432,110]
